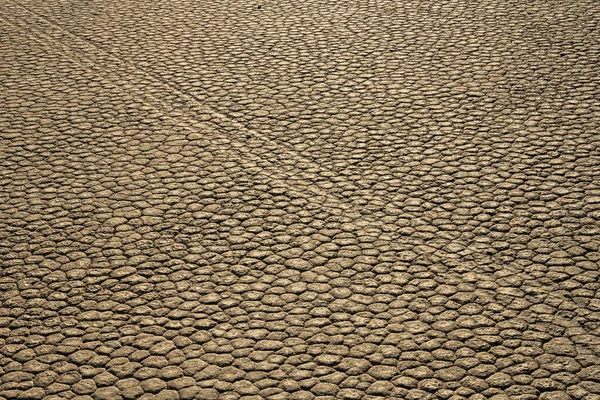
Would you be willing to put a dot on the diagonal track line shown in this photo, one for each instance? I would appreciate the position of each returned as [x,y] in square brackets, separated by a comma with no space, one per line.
[286,153]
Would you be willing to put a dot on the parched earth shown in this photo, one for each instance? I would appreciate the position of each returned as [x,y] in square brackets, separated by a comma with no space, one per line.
[285,199]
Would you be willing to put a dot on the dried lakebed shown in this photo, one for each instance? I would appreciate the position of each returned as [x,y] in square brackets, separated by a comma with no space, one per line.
[299,200]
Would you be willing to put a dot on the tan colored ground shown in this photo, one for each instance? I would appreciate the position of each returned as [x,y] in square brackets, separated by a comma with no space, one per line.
[318,199]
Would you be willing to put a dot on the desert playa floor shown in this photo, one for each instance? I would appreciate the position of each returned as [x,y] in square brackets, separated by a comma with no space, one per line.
[285,199]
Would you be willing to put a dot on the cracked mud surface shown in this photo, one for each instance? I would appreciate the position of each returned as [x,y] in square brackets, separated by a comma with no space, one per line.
[299,200]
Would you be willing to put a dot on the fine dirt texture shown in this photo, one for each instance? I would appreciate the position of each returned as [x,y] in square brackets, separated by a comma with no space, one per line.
[362,199]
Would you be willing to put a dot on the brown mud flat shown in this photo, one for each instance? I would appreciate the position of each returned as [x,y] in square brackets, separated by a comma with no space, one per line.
[299,200]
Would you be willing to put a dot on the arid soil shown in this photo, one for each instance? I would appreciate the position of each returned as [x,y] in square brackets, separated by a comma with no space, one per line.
[285,199]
